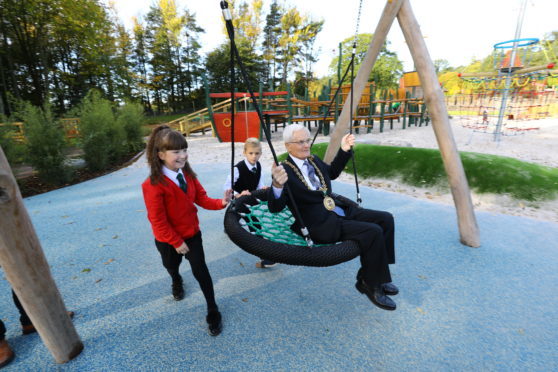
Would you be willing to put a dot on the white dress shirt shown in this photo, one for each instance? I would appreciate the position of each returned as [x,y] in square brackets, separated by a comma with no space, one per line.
[172,175]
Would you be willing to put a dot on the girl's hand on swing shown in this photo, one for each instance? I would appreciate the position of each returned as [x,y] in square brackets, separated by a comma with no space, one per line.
[227,197]
[183,249]
[347,142]
[245,192]
[278,176]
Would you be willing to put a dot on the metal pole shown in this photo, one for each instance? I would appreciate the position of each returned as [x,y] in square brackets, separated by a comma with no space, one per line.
[498,130]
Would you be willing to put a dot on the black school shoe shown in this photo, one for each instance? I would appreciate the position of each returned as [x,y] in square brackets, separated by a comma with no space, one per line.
[177,290]
[214,324]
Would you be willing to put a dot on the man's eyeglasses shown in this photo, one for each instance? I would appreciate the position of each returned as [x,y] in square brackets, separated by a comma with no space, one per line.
[302,142]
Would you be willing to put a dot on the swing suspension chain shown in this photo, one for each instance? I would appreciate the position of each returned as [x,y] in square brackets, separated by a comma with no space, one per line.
[235,55]
[358,20]
[359,199]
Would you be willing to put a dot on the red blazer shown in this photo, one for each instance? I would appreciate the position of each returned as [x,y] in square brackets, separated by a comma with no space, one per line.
[172,212]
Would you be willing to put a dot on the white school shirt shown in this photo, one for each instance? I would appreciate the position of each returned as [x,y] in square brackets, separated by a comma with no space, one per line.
[172,175]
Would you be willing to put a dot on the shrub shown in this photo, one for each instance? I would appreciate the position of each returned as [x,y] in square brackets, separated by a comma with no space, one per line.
[130,118]
[103,139]
[45,144]
[14,151]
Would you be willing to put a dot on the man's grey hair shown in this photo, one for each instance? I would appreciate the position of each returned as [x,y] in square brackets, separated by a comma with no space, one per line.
[290,129]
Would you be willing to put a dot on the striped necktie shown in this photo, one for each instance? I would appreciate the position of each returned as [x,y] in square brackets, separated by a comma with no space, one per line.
[312,175]
[182,182]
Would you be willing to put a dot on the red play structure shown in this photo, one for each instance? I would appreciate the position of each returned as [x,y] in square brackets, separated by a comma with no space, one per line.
[246,121]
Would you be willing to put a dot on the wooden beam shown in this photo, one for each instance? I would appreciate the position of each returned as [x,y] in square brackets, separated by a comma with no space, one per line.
[27,270]
[378,40]
[434,98]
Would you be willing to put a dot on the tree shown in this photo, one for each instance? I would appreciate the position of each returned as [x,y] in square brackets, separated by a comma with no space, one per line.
[270,44]
[307,52]
[441,66]
[139,59]
[246,19]
[173,68]
[387,68]
[217,67]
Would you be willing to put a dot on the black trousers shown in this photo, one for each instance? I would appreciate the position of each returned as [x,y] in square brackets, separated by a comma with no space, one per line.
[172,260]
[23,318]
[374,232]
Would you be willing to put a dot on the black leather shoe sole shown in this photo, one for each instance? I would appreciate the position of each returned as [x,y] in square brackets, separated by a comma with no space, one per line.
[385,303]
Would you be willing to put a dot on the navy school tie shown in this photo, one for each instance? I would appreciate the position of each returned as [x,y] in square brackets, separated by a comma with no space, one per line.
[182,182]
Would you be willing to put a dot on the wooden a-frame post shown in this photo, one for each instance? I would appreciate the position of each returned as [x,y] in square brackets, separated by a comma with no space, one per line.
[27,271]
[434,98]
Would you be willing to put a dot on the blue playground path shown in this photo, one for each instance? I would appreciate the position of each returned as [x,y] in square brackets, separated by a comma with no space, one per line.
[492,308]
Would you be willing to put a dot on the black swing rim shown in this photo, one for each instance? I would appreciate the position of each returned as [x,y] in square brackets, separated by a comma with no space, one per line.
[298,255]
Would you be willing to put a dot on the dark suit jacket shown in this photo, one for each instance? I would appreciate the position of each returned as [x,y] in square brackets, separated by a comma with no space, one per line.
[323,225]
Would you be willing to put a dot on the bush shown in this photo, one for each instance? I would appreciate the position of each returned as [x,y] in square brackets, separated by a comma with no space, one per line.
[130,118]
[103,138]
[45,144]
[14,151]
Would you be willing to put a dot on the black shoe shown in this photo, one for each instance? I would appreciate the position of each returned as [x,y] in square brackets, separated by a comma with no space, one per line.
[214,325]
[376,295]
[390,289]
[177,290]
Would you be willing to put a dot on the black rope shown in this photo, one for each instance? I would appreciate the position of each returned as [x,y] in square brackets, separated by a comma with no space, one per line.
[234,53]
[233,83]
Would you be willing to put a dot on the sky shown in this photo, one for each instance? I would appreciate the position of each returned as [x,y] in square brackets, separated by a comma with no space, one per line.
[457,31]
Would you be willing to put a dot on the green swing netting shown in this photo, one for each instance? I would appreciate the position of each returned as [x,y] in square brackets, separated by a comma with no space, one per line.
[271,226]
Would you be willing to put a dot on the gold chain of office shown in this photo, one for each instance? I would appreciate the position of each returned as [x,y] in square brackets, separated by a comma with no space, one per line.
[329,203]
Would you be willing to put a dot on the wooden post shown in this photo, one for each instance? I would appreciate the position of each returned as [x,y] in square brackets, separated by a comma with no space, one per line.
[382,110]
[405,106]
[371,108]
[289,105]
[434,98]
[27,270]
[380,34]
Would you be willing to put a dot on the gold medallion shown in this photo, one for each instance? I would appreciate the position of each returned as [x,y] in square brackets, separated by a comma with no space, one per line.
[329,203]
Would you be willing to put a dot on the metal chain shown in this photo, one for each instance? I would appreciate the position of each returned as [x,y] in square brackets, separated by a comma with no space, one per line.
[358,20]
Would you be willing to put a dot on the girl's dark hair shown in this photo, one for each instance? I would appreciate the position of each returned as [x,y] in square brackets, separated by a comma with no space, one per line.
[164,138]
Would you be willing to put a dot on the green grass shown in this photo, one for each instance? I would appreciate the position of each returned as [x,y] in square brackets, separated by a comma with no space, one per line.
[424,168]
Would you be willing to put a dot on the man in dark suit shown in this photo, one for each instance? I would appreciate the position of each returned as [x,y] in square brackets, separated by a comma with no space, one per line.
[309,180]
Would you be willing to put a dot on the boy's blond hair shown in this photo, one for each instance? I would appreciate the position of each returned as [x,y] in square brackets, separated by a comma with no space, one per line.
[252,142]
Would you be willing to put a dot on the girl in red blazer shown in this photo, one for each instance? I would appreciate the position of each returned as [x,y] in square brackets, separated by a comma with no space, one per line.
[170,193]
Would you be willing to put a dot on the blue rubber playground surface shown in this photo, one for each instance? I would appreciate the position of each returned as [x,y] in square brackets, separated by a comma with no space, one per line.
[492,308]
